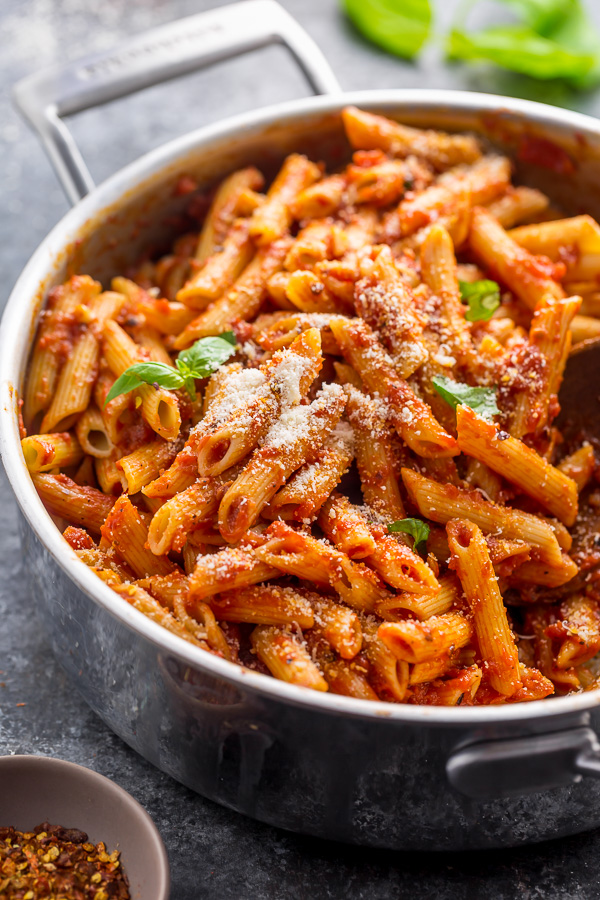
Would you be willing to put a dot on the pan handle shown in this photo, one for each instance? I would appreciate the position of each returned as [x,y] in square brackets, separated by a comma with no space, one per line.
[488,770]
[151,58]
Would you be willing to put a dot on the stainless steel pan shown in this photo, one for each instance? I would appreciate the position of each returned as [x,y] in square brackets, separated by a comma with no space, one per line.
[378,774]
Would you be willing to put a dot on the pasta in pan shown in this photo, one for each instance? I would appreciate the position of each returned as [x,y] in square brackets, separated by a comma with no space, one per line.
[317,439]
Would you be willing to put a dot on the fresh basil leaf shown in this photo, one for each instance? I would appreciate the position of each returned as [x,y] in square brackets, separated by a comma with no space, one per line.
[145,373]
[542,15]
[399,26]
[206,355]
[520,49]
[481,400]
[483,298]
[417,529]
[554,39]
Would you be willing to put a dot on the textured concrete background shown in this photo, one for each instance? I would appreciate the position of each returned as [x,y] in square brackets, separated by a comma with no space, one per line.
[214,853]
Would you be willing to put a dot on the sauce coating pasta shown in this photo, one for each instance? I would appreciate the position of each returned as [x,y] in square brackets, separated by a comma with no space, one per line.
[370,496]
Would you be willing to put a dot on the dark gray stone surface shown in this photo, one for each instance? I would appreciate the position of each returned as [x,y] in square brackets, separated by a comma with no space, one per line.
[214,853]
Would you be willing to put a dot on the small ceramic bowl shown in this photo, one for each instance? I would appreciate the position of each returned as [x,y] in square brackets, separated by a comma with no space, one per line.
[36,789]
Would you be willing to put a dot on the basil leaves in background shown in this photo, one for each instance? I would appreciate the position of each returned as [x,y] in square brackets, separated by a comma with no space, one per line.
[416,528]
[200,360]
[548,39]
[399,26]
[482,298]
[481,400]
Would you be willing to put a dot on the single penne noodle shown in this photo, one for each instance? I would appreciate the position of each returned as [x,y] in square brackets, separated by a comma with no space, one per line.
[306,291]
[367,131]
[108,476]
[272,219]
[579,465]
[410,416]
[345,677]
[388,674]
[242,301]
[476,574]
[481,476]
[118,414]
[375,457]
[281,332]
[438,267]
[147,463]
[417,642]
[318,240]
[518,463]
[224,208]
[229,569]
[398,565]
[178,516]
[346,528]
[576,241]
[422,673]
[128,533]
[220,269]
[43,452]
[442,502]
[304,494]
[530,277]
[217,386]
[251,401]
[92,433]
[152,609]
[339,625]
[323,198]
[286,658]
[293,439]
[386,181]
[578,631]
[423,606]
[550,339]
[517,205]
[450,691]
[79,505]
[532,572]
[167,317]
[264,605]
[387,305]
[276,290]
[302,555]
[585,328]
[181,474]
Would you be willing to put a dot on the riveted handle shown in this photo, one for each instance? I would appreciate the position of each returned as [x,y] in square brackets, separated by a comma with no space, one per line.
[153,57]
[488,770]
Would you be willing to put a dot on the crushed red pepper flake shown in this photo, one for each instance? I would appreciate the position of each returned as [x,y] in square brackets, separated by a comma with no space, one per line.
[56,863]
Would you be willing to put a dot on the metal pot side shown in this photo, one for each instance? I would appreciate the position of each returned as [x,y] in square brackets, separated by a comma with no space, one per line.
[367,773]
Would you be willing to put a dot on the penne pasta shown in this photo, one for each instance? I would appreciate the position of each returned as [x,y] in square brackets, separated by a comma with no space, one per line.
[369,353]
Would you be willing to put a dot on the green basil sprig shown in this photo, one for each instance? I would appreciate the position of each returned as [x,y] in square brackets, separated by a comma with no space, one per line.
[416,528]
[198,361]
[481,400]
[482,297]
[399,26]
[547,39]
[550,39]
